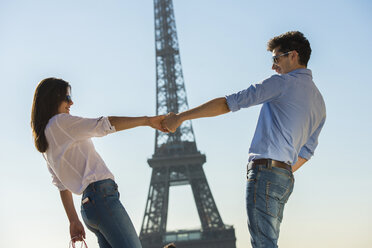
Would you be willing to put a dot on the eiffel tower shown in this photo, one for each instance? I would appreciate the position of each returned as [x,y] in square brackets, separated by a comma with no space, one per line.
[176,160]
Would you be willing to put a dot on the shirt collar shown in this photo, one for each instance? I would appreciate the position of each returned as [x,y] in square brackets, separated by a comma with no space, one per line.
[302,71]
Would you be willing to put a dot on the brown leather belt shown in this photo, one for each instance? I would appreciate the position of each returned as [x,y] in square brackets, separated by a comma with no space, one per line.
[268,163]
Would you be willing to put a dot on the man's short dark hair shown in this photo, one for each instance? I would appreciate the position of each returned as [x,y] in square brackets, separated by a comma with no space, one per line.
[290,41]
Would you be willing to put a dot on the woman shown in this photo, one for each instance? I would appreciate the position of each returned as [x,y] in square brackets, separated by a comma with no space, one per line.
[76,167]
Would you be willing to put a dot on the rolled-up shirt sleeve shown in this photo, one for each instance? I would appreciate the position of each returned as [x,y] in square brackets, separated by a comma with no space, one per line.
[79,128]
[255,94]
[307,151]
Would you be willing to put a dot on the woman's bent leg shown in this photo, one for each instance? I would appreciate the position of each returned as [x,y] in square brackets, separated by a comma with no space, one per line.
[90,224]
[117,226]
[104,212]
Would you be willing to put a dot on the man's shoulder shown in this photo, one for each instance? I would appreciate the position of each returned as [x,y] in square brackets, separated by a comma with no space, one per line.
[275,78]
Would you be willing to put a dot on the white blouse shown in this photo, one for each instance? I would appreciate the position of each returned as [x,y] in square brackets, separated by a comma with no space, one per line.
[71,157]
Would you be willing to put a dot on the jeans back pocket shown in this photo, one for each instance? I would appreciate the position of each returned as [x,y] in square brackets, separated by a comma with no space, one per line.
[275,198]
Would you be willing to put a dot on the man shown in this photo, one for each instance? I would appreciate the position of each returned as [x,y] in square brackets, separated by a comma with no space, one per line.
[291,118]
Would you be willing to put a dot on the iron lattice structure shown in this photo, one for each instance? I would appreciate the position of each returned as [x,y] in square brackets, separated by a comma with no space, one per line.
[176,160]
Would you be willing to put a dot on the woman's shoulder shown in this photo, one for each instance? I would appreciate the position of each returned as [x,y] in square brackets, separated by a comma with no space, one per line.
[59,119]
[65,117]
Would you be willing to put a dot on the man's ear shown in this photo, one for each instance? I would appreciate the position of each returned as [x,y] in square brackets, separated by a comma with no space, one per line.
[295,56]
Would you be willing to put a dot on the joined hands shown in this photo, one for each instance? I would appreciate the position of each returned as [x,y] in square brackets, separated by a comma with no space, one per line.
[171,122]
[165,123]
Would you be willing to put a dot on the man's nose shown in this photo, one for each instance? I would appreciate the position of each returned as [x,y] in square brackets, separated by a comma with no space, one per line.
[274,67]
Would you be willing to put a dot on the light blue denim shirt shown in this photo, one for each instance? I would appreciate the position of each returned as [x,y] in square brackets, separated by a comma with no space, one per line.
[291,118]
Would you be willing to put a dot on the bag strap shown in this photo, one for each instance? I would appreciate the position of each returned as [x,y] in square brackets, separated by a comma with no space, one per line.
[72,243]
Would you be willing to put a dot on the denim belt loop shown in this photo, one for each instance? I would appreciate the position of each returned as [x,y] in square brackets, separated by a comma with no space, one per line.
[269,163]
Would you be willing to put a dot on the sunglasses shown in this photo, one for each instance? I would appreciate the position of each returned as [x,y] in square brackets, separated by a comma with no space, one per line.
[276,58]
[68,99]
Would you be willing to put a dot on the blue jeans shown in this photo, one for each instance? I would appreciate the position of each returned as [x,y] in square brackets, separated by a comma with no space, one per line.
[106,217]
[268,190]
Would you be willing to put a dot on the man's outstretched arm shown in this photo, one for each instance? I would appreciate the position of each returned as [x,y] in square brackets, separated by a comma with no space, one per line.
[217,106]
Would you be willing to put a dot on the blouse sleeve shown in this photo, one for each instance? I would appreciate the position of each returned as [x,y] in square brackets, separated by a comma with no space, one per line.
[78,128]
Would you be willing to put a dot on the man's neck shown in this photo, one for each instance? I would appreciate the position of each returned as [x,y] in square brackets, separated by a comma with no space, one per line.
[298,67]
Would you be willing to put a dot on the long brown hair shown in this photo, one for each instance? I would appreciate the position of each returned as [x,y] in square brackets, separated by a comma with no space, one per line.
[49,94]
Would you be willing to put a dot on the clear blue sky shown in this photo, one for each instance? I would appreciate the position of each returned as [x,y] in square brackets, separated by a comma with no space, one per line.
[105,49]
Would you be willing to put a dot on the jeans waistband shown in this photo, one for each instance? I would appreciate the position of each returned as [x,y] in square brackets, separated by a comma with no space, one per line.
[99,185]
